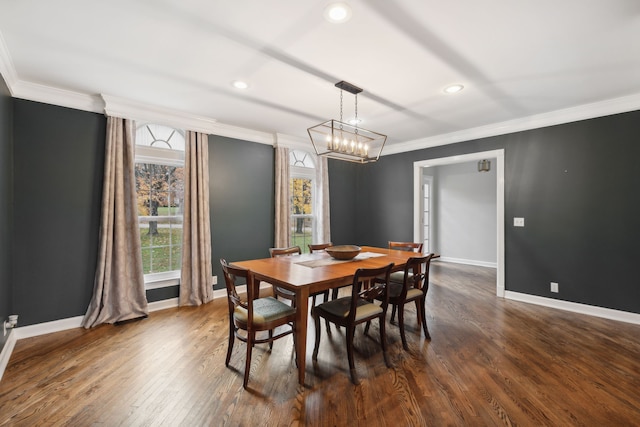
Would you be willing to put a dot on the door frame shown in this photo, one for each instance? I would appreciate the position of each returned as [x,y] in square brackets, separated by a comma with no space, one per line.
[498,155]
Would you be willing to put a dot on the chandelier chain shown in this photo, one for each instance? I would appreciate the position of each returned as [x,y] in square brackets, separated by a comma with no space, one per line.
[341,91]
[356,123]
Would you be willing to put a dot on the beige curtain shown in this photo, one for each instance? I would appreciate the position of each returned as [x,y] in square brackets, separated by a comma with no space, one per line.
[283,211]
[196,283]
[323,227]
[118,289]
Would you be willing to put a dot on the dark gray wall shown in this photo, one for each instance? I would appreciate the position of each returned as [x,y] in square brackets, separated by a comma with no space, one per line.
[581,224]
[6,167]
[241,197]
[575,184]
[342,190]
[58,167]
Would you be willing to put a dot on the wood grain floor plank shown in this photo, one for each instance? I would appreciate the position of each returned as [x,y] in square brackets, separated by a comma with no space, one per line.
[490,362]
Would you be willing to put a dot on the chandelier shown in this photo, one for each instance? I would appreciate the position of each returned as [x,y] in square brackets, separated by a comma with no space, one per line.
[346,141]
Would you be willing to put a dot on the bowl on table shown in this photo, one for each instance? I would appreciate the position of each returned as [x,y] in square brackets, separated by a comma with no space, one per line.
[343,251]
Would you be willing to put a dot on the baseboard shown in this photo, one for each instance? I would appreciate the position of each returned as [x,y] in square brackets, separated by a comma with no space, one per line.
[48,327]
[163,305]
[591,310]
[7,349]
[467,262]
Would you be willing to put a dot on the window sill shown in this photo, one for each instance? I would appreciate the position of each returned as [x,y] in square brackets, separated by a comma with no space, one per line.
[161,282]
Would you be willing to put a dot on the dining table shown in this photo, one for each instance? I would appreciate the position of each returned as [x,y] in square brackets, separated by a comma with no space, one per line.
[306,274]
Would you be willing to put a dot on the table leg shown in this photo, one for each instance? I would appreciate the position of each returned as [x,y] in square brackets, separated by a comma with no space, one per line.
[302,307]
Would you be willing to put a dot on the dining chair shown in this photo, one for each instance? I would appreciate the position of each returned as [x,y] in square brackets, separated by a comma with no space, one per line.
[319,247]
[275,252]
[397,276]
[413,288]
[368,284]
[253,315]
[406,246]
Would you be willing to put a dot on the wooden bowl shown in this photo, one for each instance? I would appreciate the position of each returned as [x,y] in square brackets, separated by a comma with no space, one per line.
[343,251]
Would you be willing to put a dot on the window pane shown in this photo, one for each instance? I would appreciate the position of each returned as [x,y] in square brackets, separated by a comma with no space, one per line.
[302,232]
[159,199]
[300,158]
[160,137]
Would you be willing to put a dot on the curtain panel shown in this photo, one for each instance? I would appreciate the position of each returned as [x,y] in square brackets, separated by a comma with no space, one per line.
[118,290]
[196,282]
[323,228]
[282,198]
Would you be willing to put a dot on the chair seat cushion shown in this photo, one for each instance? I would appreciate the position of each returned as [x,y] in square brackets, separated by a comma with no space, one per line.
[396,288]
[398,276]
[340,307]
[264,310]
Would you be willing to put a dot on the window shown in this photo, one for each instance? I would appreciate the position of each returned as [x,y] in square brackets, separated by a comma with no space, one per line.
[302,190]
[159,171]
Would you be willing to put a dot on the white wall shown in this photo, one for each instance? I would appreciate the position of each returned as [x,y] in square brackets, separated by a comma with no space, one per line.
[464,209]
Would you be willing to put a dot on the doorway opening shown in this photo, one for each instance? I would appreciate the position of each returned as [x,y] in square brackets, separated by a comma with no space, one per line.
[424,227]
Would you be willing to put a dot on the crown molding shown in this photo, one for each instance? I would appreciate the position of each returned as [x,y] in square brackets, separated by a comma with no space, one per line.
[7,70]
[582,112]
[55,96]
[293,142]
[126,108]
[244,134]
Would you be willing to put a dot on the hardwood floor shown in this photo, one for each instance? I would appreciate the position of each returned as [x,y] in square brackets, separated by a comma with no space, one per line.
[490,362]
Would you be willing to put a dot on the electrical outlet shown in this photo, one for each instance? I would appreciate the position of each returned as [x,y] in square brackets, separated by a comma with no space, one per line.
[554,287]
[215,280]
[518,222]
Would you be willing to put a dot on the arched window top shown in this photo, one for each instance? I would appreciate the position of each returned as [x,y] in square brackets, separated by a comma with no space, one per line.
[301,159]
[159,136]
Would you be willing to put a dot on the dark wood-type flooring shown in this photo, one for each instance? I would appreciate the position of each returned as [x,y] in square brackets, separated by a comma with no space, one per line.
[490,362]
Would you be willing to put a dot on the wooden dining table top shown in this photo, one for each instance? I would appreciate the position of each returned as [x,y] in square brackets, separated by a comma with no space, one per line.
[318,271]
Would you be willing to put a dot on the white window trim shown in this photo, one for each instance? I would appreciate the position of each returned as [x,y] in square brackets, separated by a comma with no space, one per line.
[160,156]
[166,279]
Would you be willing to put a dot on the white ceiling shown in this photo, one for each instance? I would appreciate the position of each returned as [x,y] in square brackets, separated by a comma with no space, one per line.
[518,60]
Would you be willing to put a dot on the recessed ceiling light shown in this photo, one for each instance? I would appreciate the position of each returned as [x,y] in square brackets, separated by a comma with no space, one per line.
[337,13]
[239,84]
[453,88]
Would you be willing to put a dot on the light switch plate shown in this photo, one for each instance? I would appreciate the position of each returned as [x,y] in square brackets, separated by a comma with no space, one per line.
[518,222]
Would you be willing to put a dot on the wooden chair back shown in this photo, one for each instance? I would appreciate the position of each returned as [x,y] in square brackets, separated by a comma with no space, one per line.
[293,250]
[416,274]
[234,277]
[406,246]
[369,284]
[319,247]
